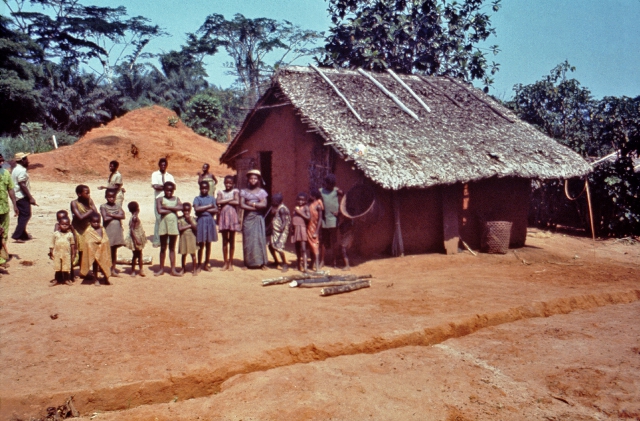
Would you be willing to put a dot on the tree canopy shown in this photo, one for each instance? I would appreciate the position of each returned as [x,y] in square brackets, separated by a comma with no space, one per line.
[433,37]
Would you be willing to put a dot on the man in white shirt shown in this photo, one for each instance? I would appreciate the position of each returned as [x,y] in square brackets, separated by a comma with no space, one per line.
[158,178]
[24,199]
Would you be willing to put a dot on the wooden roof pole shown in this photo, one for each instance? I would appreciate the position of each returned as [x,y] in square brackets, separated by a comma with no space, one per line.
[491,107]
[337,91]
[405,86]
[440,91]
[389,94]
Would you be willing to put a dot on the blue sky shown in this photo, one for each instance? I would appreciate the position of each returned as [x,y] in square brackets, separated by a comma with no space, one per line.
[601,38]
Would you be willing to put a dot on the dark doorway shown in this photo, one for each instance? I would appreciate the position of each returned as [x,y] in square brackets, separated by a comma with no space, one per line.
[265,170]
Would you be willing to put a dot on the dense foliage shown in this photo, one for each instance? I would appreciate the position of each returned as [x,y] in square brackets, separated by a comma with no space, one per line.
[563,109]
[433,37]
[69,67]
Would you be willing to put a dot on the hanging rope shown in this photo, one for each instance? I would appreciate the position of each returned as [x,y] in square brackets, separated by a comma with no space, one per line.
[566,190]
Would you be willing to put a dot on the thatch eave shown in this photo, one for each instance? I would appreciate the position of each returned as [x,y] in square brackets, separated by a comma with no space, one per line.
[466,136]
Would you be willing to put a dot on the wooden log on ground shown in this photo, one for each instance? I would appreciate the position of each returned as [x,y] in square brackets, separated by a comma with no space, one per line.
[325,292]
[327,281]
[296,277]
[146,260]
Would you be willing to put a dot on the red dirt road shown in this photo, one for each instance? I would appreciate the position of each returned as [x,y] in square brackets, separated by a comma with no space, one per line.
[550,331]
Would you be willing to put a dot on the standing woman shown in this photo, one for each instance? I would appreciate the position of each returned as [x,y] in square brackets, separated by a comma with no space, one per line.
[253,200]
[211,179]
[115,182]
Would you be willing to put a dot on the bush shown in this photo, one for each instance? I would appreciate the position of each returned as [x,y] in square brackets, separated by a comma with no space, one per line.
[203,114]
[33,139]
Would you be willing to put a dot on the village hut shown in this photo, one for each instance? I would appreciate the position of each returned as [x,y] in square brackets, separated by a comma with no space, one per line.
[441,158]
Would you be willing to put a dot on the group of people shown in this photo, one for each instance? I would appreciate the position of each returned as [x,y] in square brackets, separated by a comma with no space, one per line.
[314,223]
[91,237]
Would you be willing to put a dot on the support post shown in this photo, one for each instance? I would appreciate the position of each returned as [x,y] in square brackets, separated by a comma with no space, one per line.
[451,203]
[397,247]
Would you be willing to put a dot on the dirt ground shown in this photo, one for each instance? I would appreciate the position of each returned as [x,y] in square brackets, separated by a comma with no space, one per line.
[548,332]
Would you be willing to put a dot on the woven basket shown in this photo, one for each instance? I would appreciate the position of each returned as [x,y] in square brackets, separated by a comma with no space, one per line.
[496,237]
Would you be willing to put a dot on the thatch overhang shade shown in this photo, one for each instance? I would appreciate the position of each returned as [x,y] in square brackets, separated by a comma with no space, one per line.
[466,136]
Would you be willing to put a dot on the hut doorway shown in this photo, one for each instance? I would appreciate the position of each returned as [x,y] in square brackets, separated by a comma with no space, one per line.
[266,170]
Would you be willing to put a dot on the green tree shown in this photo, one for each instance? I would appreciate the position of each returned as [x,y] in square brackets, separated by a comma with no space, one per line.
[19,98]
[433,37]
[561,107]
[566,111]
[203,114]
[249,41]
[215,112]
[73,33]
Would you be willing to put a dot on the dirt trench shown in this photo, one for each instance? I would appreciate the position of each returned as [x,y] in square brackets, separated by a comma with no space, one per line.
[202,384]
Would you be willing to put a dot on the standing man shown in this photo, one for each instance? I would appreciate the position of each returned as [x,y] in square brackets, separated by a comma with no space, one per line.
[158,179]
[6,193]
[331,196]
[24,199]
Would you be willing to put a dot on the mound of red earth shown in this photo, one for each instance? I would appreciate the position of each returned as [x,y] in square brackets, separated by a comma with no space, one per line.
[137,140]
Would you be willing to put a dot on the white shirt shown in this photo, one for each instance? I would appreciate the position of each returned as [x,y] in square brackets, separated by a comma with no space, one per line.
[156,178]
[18,175]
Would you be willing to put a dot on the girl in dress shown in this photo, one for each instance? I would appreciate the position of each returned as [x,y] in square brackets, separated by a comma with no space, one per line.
[228,222]
[205,207]
[299,237]
[188,244]
[168,207]
[280,225]
[112,216]
[254,243]
[136,239]
[316,210]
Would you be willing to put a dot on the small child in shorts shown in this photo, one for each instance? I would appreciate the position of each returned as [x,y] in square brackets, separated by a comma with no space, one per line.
[136,239]
[299,236]
[63,251]
[188,244]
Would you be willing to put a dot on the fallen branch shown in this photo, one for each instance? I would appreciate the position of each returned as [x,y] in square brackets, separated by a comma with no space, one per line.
[564,264]
[325,292]
[468,248]
[288,278]
[327,281]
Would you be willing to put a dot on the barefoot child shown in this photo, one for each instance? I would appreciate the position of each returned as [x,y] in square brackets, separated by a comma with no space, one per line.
[81,210]
[228,221]
[136,239]
[63,251]
[299,237]
[280,225]
[97,251]
[168,207]
[188,244]
[205,207]
[112,216]
[316,209]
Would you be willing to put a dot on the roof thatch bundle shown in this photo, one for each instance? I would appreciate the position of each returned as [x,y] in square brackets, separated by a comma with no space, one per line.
[460,136]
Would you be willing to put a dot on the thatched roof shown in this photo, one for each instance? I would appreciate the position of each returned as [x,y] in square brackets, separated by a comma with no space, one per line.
[466,135]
